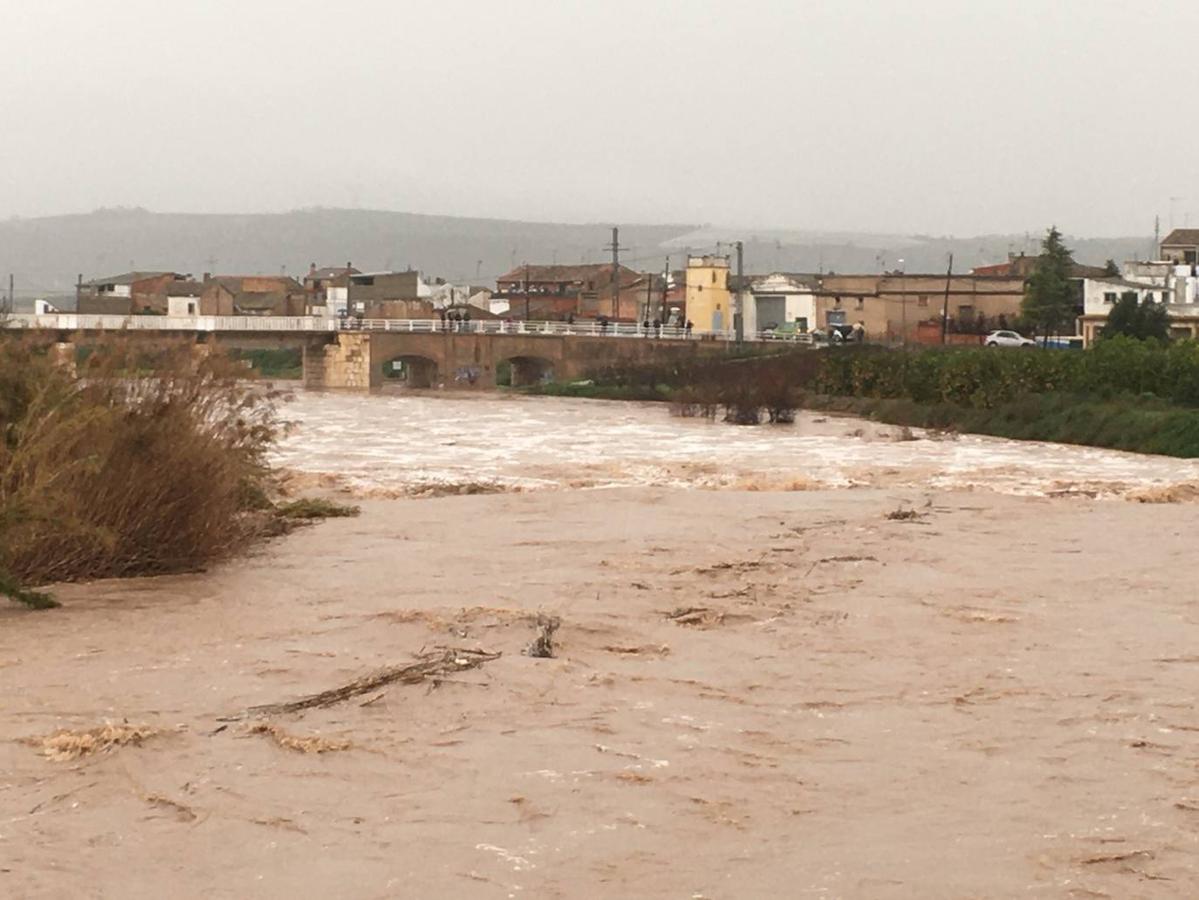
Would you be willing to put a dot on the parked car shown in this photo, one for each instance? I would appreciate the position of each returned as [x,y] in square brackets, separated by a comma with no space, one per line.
[1008,339]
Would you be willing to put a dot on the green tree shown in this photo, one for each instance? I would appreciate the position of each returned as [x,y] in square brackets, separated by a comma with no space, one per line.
[1143,321]
[1110,269]
[1049,293]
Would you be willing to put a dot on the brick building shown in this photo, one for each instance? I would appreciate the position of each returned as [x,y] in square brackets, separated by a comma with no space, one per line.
[132,293]
[252,295]
[557,292]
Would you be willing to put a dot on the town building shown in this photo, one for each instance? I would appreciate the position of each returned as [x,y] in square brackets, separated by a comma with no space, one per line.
[1181,246]
[647,297]
[328,289]
[892,307]
[709,299]
[389,295]
[1167,280]
[252,295]
[780,301]
[132,293]
[559,292]
[184,298]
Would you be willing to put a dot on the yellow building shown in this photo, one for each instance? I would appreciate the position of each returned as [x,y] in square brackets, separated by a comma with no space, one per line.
[709,303]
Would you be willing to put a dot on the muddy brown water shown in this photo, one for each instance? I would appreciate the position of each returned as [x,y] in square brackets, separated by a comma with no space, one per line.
[755,692]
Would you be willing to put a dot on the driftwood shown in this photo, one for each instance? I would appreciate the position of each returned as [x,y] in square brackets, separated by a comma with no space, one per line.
[439,662]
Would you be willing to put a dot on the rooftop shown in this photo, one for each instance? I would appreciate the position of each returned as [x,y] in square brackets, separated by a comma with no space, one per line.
[564,273]
[128,278]
[1182,237]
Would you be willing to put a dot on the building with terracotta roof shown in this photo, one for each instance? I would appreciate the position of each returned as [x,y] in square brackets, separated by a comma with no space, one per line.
[557,292]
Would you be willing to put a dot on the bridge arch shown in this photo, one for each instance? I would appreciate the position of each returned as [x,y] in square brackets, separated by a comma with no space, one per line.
[526,370]
[411,370]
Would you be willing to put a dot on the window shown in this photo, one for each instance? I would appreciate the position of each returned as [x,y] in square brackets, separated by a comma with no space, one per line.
[1109,297]
[713,277]
[801,324]
[923,301]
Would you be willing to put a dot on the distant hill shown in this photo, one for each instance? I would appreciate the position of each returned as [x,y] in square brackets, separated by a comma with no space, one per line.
[46,254]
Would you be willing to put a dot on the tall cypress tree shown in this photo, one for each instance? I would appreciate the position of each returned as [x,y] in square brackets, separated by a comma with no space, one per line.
[1049,292]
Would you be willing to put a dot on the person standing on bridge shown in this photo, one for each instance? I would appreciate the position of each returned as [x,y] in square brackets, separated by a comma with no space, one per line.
[687,328]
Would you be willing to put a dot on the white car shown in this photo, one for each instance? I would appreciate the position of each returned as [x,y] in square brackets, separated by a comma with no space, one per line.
[1007,339]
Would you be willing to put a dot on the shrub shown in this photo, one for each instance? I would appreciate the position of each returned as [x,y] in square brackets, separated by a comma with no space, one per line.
[142,461]
[985,378]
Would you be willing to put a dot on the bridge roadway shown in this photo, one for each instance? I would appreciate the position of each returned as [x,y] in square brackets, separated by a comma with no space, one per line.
[361,354]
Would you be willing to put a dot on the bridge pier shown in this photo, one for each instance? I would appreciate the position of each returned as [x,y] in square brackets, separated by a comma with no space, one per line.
[341,364]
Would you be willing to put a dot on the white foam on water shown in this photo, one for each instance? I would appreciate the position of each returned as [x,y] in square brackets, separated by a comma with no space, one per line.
[390,441]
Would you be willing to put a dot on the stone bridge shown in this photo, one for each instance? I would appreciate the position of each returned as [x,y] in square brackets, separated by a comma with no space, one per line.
[418,353]
[366,361]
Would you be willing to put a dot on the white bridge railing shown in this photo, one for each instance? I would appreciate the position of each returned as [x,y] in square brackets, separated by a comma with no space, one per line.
[69,322]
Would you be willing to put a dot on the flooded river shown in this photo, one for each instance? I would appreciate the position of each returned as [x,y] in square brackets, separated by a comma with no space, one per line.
[788,693]
[393,444]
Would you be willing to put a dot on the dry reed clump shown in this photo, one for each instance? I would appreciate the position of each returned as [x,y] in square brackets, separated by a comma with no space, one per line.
[137,460]
[64,746]
[288,741]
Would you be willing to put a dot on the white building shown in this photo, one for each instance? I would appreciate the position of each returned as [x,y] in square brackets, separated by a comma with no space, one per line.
[1099,295]
[780,300]
[1162,281]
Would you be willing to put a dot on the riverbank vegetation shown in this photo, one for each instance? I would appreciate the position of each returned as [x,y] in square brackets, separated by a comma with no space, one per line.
[1126,394]
[133,461]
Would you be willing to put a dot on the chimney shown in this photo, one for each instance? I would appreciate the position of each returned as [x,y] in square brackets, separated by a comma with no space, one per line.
[349,267]
[312,268]
[207,277]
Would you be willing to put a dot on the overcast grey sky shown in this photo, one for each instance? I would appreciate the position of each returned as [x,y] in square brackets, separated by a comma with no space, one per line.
[936,116]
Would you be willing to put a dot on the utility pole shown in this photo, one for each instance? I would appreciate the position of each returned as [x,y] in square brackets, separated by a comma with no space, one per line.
[615,248]
[945,308]
[665,287]
[11,297]
[649,294]
[738,313]
[1157,235]
[526,294]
